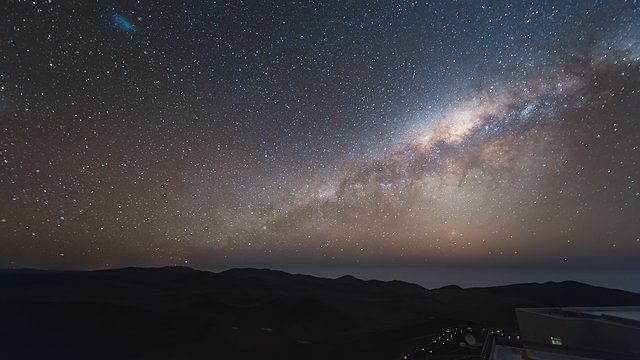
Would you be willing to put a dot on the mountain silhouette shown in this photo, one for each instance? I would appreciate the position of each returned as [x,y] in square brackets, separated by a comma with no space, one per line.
[183,313]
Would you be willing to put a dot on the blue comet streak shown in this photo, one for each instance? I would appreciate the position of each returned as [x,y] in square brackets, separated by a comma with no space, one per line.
[123,23]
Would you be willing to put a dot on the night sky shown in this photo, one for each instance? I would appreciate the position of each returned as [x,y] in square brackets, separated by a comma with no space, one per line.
[220,134]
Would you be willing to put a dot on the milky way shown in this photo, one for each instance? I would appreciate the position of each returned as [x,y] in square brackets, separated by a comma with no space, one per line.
[504,172]
[233,134]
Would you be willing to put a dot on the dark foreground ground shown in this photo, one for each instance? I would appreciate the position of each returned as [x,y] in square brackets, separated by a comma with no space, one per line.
[181,313]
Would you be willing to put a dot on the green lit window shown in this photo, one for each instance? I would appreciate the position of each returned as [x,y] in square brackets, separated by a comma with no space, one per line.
[555,341]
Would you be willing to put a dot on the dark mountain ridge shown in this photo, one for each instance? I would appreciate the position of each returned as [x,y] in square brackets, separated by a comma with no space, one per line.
[179,312]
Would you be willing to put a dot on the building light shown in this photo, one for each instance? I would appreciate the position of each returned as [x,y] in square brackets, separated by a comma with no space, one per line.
[555,341]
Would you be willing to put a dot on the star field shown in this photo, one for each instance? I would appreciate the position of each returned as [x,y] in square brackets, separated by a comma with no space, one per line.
[230,133]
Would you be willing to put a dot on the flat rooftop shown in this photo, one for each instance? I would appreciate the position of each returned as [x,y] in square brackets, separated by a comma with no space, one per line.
[628,315]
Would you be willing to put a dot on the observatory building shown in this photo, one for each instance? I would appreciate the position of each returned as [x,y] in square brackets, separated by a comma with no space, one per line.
[611,333]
